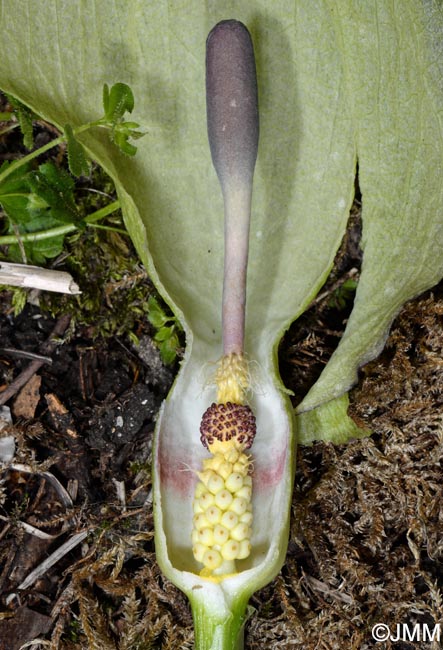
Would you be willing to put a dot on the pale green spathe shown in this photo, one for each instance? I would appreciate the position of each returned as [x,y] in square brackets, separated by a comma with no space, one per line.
[338,81]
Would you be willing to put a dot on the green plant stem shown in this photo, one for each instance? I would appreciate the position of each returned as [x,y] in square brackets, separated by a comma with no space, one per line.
[223,632]
[60,230]
[53,143]
[110,228]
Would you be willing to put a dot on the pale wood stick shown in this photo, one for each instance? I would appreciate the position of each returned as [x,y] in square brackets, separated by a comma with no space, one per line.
[34,277]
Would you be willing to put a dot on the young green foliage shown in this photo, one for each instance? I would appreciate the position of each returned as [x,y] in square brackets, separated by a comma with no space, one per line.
[34,201]
[343,294]
[37,201]
[117,101]
[55,187]
[77,160]
[168,328]
[25,118]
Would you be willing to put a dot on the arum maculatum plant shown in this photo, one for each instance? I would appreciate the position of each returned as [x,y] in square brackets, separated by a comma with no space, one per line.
[340,82]
[227,547]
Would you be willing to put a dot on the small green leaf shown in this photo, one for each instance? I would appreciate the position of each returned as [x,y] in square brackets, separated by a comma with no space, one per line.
[19,298]
[120,137]
[343,294]
[117,101]
[15,181]
[14,195]
[164,333]
[55,186]
[24,117]
[168,349]
[36,202]
[40,251]
[156,315]
[78,163]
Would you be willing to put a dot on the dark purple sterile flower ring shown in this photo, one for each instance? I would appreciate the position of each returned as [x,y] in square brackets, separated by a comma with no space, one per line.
[224,422]
[232,103]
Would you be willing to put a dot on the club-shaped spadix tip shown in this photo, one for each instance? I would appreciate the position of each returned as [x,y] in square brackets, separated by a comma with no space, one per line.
[231,100]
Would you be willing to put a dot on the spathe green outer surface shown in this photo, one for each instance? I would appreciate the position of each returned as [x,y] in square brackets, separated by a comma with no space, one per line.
[337,81]
[392,61]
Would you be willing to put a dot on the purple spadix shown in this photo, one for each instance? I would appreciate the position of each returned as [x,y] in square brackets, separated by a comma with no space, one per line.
[231,101]
[233,128]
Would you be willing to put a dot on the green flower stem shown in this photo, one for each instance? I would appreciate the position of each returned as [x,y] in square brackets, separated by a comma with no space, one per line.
[60,230]
[221,630]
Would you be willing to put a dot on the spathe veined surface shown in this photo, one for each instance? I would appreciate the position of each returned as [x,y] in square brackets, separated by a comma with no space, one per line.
[337,81]
[56,58]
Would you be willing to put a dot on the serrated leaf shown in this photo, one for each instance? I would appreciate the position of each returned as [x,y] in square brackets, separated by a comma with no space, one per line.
[117,101]
[25,118]
[37,201]
[121,139]
[77,160]
[55,186]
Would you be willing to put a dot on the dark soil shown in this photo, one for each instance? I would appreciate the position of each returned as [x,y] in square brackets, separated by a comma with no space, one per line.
[365,545]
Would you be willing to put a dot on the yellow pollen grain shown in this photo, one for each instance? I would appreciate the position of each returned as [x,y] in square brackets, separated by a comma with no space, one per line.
[225,470]
[245,518]
[245,492]
[199,490]
[199,550]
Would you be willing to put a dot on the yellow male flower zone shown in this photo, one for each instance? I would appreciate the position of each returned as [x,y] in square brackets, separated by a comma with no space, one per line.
[222,505]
